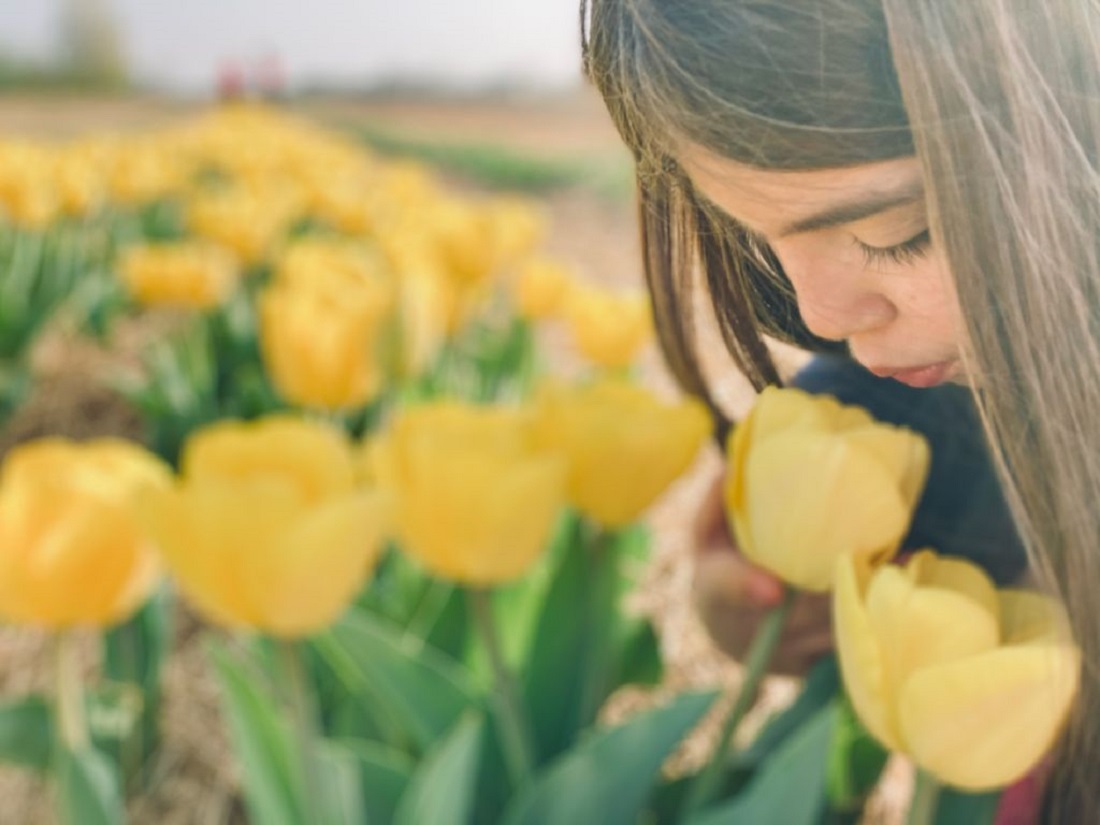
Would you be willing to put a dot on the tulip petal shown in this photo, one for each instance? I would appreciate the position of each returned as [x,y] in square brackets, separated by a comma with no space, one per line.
[624,445]
[480,519]
[311,575]
[926,569]
[781,410]
[212,535]
[845,418]
[809,498]
[861,658]
[904,454]
[1028,617]
[316,457]
[70,548]
[89,565]
[922,626]
[985,721]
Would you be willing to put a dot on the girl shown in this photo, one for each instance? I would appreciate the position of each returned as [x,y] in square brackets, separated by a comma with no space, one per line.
[912,186]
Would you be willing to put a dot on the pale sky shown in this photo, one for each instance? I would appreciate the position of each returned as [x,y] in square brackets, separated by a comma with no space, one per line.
[180,43]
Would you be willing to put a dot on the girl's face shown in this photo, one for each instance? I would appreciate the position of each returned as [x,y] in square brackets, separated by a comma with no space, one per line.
[854,243]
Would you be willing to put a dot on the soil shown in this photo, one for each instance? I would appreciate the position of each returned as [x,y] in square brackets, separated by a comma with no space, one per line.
[195,780]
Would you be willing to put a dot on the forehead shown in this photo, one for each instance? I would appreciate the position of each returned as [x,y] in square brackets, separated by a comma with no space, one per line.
[766,200]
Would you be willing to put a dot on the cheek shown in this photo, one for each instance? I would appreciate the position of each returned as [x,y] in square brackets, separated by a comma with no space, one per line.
[928,293]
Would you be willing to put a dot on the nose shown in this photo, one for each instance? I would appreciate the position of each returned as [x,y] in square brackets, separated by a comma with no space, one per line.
[837,301]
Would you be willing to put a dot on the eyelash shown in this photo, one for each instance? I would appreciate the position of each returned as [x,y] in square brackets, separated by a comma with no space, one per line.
[903,253]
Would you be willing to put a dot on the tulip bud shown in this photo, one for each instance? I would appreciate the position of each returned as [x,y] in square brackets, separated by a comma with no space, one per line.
[28,190]
[319,343]
[609,329]
[972,683]
[811,479]
[624,445]
[542,289]
[246,222]
[517,227]
[266,527]
[476,498]
[71,547]
[305,263]
[193,275]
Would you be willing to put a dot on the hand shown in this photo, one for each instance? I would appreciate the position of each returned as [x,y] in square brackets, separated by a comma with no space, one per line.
[732,596]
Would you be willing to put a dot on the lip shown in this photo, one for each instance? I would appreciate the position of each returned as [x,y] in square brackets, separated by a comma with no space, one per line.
[928,375]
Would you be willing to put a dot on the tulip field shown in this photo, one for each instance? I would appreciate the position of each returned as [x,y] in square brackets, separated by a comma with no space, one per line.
[405,545]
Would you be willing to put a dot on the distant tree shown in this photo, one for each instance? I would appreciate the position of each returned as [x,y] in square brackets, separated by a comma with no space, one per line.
[91,44]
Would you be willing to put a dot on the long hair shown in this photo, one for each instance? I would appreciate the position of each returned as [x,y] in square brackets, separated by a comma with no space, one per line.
[1000,101]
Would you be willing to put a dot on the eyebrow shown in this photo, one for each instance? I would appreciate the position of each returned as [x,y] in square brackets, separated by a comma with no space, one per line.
[856,210]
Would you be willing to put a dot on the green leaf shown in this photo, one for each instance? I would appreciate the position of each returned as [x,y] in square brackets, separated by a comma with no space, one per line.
[88,788]
[617,557]
[262,745]
[135,651]
[518,606]
[552,675]
[856,761]
[441,791]
[134,654]
[396,589]
[790,787]
[822,686]
[440,620]
[384,774]
[341,791]
[640,661]
[424,691]
[26,732]
[959,808]
[609,776]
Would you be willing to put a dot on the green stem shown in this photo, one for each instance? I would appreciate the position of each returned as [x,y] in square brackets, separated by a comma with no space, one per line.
[601,610]
[303,714]
[514,727]
[926,795]
[71,719]
[707,783]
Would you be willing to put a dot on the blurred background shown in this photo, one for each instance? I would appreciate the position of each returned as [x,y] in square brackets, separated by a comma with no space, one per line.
[484,57]
[488,91]
[325,45]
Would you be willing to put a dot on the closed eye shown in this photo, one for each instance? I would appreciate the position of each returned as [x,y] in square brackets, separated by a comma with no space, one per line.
[903,253]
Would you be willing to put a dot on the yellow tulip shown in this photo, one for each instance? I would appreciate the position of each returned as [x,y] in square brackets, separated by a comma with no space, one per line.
[973,684]
[476,499]
[542,288]
[517,228]
[425,309]
[464,241]
[811,479]
[184,274]
[624,445]
[609,329]
[247,221]
[266,528]
[72,550]
[28,191]
[431,304]
[80,181]
[31,203]
[144,170]
[319,344]
[305,262]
